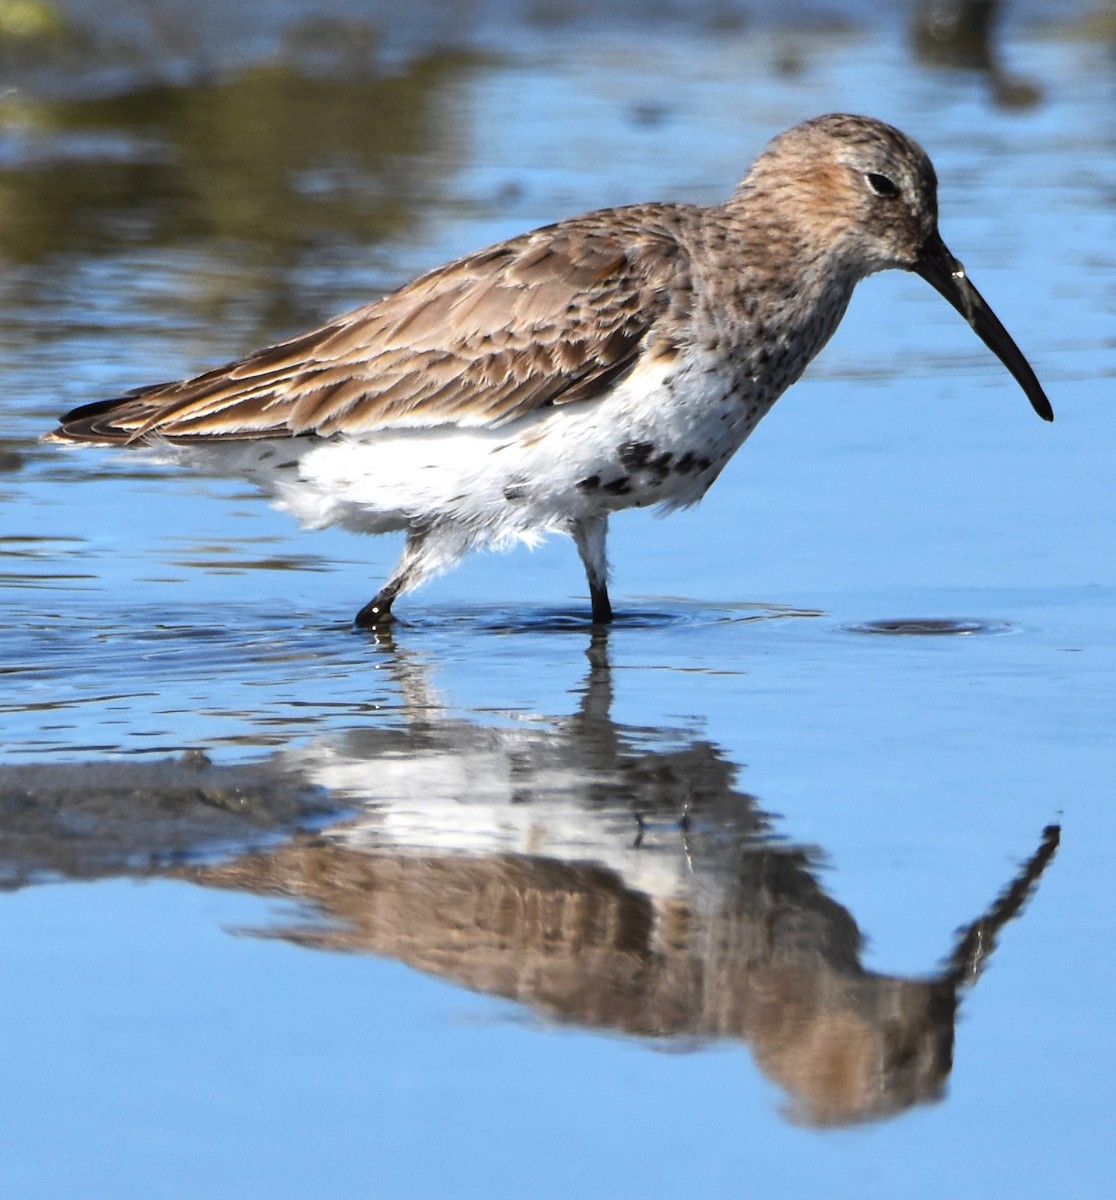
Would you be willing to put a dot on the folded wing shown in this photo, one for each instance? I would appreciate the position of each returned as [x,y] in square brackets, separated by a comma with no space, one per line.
[550,317]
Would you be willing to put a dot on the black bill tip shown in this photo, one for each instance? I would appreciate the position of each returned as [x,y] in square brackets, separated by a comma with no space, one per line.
[944,273]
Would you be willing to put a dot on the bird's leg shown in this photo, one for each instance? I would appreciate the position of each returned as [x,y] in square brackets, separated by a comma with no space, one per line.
[602,606]
[589,537]
[377,612]
[408,571]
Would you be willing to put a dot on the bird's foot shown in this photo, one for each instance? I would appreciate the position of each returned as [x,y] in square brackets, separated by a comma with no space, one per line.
[376,614]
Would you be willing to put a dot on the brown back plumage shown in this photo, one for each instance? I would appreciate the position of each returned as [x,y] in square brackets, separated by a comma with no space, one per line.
[550,317]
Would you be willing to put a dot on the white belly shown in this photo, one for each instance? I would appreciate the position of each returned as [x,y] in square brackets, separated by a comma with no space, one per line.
[645,444]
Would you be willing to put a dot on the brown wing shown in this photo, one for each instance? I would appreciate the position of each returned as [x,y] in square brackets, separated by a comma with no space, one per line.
[550,317]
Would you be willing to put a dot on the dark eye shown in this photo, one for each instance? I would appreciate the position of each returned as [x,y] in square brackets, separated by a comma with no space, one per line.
[882,185]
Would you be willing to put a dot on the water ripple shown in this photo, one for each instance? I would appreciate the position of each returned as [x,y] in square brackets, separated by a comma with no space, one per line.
[931,627]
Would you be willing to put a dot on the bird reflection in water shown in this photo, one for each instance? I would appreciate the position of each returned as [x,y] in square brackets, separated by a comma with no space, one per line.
[613,878]
[962,35]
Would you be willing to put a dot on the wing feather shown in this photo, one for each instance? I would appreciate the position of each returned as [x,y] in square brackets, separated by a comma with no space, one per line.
[547,318]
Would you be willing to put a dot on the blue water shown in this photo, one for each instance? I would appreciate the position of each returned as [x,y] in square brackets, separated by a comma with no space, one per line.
[867,671]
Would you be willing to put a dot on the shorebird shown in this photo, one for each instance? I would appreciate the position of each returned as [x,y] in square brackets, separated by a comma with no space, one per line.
[616,359]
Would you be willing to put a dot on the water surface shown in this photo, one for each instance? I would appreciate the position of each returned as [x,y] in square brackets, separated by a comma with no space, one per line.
[793,883]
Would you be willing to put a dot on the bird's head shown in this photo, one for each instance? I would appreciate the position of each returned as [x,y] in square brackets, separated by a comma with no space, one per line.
[859,190]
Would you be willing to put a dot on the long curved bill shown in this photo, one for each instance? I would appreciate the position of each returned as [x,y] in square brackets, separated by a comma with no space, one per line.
[942,271]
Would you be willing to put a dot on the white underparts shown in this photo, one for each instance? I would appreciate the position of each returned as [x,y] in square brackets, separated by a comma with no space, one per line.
[660,438]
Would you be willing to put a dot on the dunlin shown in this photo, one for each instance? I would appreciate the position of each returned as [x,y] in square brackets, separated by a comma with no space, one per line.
[613,360]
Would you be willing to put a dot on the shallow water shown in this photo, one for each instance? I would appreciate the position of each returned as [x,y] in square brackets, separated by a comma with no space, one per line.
[793,883]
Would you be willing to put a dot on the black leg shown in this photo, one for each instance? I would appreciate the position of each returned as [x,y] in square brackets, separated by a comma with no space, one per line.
[377,612]
[589,536]
[602,607]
